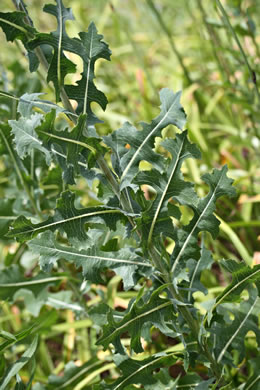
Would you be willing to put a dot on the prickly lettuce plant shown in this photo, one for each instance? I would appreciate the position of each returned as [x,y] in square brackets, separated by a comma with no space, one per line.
[80,239]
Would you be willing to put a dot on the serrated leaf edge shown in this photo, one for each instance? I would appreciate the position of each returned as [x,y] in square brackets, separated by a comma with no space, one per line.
[148,136]
[164,193]
[142,368]
[80,254]
[176,261]
[220,356]
[137,318]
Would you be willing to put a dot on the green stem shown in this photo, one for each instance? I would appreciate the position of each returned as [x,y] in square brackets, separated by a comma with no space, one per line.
[191,321]
[19,174]
[232,31]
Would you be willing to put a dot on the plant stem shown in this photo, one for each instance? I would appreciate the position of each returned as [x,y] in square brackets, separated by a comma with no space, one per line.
[229,25]
[19,174]
[191,321]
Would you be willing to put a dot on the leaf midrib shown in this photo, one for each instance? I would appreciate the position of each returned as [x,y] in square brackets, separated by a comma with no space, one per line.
[59,44]
[235,287]
[164,193]
[98,257]
[236,332]
[32,282]
[194,227]
[145,140]
[87,77]
[67,220]
[141,368]
[137,318]
[24,132]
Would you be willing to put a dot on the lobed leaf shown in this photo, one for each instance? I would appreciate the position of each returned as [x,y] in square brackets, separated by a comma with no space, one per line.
[66,219]
[245,319]
[73,146]
[186,245]
[138,314]
[59,64]
[18,365]
[12,280]
[137,371]
[30,100]
[195,270]
[242,277]
[86,92]
[169,185]
[141,143]
[93,261]
[25,136]
[14,26]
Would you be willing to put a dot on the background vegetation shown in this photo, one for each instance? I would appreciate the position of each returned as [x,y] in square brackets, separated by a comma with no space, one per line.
[186,45]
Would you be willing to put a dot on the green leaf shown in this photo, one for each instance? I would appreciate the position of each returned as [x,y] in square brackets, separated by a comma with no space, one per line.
[7,335]
[25,136]
[138,314]
[75,148]
[253,382]
[59,300]
[169,185]
[17,337]
[137,371]
[245,319]
[72,375]
[6,215]
[242,277]
[12,280]
[30,100]
[193,381]
[14,26]
[141,143]
[59,64]
[16,367]
[66,219]
[124,262]
[163,381]
[86,92]
[195,269]
[186,241]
